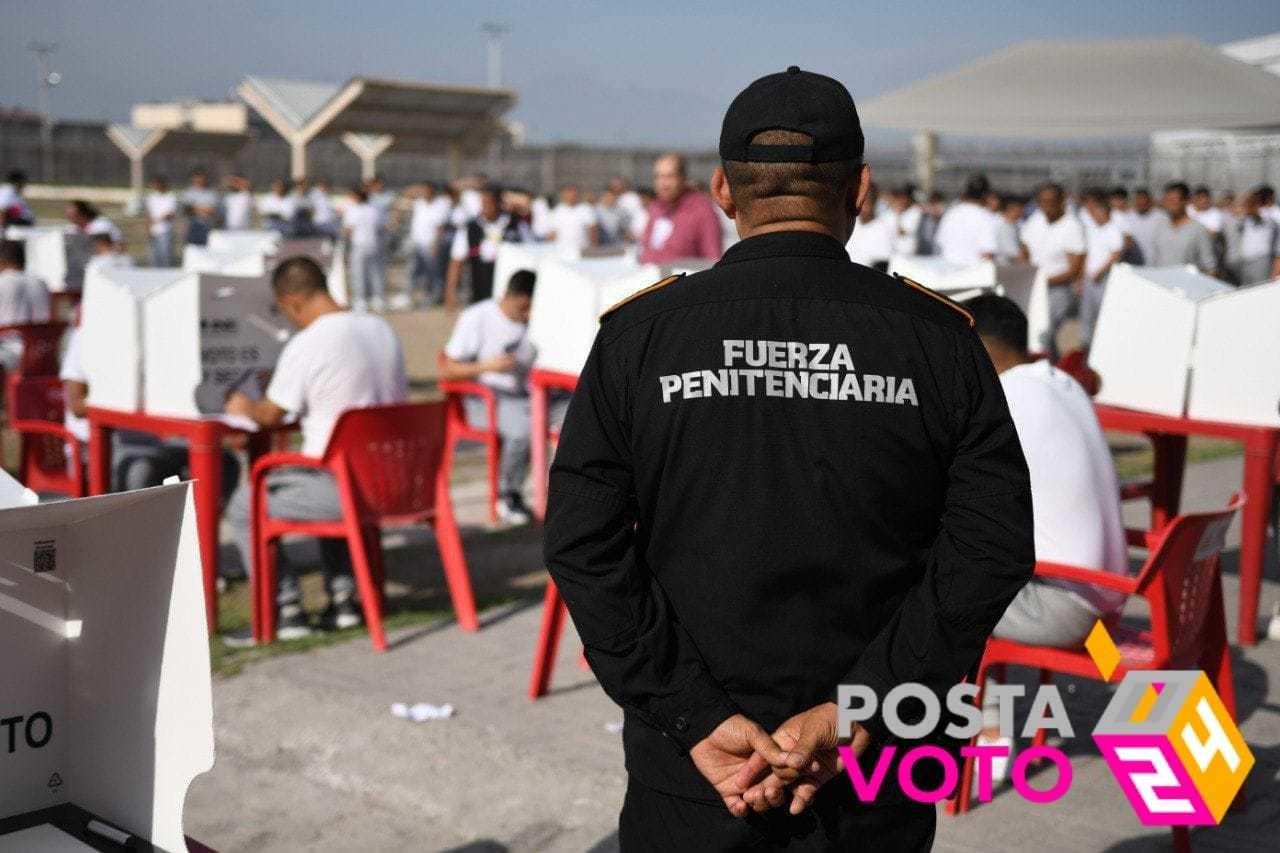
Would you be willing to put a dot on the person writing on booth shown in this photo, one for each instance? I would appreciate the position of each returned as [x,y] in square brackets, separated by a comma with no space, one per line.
[338,360]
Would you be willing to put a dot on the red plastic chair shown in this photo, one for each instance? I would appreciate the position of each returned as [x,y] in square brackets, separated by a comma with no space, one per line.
[49,456]
[459,430]
[41,343]
[389,467]
[1182,585]
[1076,365]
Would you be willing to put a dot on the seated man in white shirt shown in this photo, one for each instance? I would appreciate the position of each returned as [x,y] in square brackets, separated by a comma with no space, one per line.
[1074,489]
[490,345]
[338,360]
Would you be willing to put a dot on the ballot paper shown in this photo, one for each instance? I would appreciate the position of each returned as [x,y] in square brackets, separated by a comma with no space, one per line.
[45,838]
[105,669]
[1145,334]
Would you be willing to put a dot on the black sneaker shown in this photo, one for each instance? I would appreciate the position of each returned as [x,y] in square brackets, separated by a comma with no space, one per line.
[291,623]
[342,615]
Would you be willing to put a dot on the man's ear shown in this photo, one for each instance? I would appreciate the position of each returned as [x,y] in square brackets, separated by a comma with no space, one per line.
[860,188]
[720,193]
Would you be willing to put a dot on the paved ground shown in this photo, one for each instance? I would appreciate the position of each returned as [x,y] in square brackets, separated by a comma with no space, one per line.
[309,756]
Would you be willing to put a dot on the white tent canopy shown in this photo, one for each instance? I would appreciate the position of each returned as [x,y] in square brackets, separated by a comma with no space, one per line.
[369,114]
[1071,89]
[1081,89]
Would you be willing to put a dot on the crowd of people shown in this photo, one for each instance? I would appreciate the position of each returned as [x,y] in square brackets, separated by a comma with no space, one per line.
[1075,238]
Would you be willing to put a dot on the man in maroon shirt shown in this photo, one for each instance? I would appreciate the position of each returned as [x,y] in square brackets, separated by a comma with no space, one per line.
[682,223]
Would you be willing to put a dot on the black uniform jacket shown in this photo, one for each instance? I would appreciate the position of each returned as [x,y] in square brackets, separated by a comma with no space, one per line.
[779,475]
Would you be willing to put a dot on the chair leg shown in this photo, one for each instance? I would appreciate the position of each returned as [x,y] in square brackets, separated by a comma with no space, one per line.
[454,562]
[370,595]
[377,564]
[263,590]
[1181,840]
[1042,734]
[493,458]
[544,655]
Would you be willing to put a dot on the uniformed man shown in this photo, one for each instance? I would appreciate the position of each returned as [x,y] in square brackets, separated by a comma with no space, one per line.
[780,475]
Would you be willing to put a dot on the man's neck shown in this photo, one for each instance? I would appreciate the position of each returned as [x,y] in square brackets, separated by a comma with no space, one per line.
[789,225]
[317,308]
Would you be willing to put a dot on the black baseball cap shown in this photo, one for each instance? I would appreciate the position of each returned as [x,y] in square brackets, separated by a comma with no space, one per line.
[799,101]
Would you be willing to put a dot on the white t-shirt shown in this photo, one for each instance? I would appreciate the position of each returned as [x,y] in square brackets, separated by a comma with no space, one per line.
[341,361]
[427,220]
[1102,242]
[483,332]
[1256,238]
[1075,494]
[871,242]
[114,260]
[281,206]
[72,370]
[488,248]
[1142,228]
[10,198]
[1211,218]
[364,220]
[966,232]
[322,209]
[905,225]
[238,210]
[1049,243]
[161,208]
[23,299]
[572,224]
[102,225]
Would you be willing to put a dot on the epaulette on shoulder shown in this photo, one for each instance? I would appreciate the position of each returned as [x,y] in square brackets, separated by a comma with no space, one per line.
[968,318]
[650,289]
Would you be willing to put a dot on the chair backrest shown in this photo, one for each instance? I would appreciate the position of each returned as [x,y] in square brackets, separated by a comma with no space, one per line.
[1179,580]
[35,398]
[392,456]
[1076,365]
[44,465]
[40,346]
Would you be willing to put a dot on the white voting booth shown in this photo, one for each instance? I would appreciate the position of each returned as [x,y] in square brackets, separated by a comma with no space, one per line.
[175,342]
[568,300]
[513,257]
[256,253]
[106,711]
[1235,366]
[54,255]
[1146,336]
[1020,282]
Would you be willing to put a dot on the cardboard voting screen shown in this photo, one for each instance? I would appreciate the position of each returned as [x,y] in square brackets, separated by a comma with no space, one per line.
[513,257]
[1143,339]
[1235,366]
[324,252]
[202,337]
[57,257]
[107,698]
[567,303]
[242,242]
[204,259]
[111,332]
[1020,282]
[174,342]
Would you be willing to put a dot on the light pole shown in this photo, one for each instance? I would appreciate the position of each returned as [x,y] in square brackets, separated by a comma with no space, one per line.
[48,79]
[494,31]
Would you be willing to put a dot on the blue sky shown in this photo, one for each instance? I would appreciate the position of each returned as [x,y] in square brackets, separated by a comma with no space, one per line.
[627,73]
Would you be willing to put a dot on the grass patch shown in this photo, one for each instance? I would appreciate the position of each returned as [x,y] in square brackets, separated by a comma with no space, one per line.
[1135,459]
[233,614]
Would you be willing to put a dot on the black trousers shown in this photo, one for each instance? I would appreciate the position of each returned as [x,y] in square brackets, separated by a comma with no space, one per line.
[652,820]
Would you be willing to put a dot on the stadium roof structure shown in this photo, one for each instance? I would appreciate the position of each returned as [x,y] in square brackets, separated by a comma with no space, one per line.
[1073,89]
[138,142]
[370,114]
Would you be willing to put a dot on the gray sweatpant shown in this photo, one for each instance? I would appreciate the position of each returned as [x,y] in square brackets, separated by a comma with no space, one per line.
[513,426]
[368,273]
[303,494]
[1063,305]
[1046,615]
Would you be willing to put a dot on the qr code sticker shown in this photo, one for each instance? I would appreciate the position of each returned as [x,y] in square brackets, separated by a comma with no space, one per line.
[45,558]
